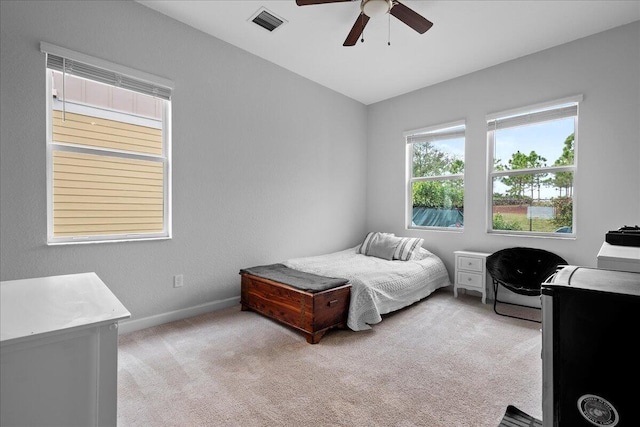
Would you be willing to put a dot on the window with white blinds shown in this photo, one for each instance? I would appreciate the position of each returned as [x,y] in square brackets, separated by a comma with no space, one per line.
[435,177]
[108,151]
[532,168]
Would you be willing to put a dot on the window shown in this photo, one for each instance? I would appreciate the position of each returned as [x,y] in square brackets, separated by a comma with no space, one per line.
[108,151]
[532,154]
[435,176]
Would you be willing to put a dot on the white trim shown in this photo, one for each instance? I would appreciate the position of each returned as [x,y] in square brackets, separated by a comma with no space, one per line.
[429,129]
[534,234]
[488,196]
[433,228]
[168,180]
[100,151]
[535,171]
[438,178]
[575,99]
[128,326]
[90,240]
[49,153]
[97,62]
[408,192]
[105,113]
[574,194]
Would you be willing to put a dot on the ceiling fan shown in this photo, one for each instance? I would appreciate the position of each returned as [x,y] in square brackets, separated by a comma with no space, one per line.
[371,8]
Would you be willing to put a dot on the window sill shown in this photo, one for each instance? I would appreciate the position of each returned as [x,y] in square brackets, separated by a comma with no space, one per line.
[556,236]
[89,242]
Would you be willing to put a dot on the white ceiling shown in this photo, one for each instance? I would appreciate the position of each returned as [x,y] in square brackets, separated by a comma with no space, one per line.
[466,36]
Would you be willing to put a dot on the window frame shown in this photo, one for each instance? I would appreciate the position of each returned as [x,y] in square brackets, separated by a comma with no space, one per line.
[491,173]
[410,179]
[52,147]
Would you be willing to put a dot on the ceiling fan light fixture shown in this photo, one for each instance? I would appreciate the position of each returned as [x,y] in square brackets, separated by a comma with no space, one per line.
[373,8]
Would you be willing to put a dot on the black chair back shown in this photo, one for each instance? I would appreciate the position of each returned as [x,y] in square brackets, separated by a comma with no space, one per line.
[523,270]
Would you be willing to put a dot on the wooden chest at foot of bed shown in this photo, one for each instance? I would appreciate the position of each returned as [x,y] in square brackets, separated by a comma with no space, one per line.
[311,313]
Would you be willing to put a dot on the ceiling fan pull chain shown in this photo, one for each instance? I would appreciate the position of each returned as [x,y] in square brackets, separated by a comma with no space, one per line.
[362,19]
[389,33]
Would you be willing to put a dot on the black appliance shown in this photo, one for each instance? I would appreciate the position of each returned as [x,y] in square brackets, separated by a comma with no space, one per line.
[590,357]
[624,236]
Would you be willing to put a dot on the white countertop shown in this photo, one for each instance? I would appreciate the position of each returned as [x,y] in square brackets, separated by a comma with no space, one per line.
[31,307]
[619,253]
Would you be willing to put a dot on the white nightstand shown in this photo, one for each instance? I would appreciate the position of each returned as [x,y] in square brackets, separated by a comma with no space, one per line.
[471,272]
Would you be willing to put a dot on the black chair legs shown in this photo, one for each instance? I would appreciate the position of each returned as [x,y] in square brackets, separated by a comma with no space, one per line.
[522,271]
[495,301]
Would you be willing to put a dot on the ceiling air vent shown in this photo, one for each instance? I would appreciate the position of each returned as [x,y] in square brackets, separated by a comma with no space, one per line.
[266,19]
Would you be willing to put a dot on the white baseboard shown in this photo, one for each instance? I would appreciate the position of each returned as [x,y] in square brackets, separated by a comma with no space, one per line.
[127,326]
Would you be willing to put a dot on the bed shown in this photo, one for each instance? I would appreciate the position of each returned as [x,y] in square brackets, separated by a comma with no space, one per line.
[385,273]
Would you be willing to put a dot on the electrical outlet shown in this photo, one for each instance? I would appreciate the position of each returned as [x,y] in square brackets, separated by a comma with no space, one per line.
[178,281]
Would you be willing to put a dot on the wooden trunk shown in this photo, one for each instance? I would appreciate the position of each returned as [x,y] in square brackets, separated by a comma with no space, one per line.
[311,313]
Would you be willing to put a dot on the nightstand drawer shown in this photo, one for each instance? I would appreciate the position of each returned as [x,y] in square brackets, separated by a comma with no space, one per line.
[470,264]
[470,279]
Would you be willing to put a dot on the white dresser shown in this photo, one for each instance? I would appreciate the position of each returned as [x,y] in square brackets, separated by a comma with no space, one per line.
[471,272]
[59,351]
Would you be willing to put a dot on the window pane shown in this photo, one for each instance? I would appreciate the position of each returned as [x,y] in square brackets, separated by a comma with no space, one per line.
[540,141]
[438,158]
[537,145]
[436,153]
[89,130]
[438,203]
[95,194]
[540,203]
[101,116]
[89,92]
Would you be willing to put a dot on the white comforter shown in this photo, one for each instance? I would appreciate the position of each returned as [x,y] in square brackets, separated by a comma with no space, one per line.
[378,286]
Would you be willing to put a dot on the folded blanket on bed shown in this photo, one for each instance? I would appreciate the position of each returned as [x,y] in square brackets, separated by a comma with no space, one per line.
[298,279]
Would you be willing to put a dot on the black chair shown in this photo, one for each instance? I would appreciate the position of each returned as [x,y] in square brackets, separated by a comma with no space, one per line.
[521,270]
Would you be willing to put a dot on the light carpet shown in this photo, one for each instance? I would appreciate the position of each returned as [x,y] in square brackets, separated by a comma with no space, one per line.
[440,362]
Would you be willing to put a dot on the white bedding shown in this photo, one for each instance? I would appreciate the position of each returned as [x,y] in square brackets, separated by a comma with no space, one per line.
[378,286]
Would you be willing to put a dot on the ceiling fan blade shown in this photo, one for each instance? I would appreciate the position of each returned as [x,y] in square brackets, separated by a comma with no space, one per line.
[356,30]
[310,2]
[410,17]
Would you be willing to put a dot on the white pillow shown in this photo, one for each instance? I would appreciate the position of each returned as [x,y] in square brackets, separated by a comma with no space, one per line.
[362,249]
[407,247]
[382,246]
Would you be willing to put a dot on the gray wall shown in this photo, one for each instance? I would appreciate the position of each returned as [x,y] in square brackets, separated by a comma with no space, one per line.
[266,164]
[605,68]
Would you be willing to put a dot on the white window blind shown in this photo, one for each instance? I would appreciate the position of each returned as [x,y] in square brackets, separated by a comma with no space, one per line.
[78,64]
[451,133]
[535,117]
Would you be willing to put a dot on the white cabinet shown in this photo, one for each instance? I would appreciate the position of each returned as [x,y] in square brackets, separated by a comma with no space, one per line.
[471,272]
[620,258]
[59,351]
